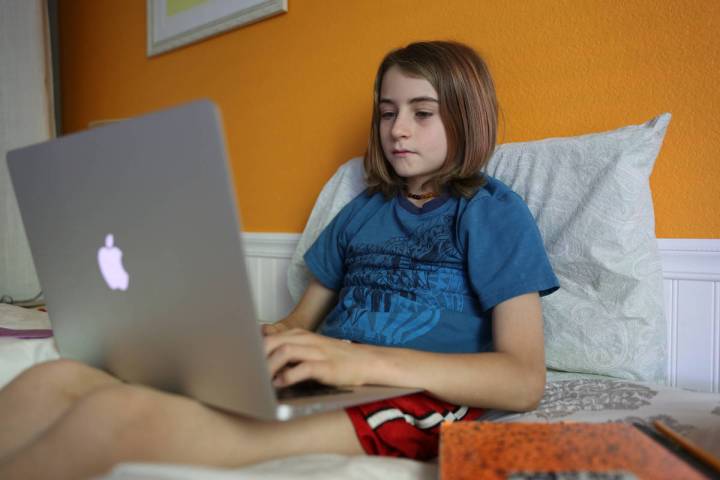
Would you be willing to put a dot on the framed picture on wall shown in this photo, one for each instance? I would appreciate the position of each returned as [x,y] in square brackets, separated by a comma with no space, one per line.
[174,23]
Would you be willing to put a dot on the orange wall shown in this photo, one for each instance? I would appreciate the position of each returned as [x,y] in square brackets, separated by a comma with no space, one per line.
[295,90]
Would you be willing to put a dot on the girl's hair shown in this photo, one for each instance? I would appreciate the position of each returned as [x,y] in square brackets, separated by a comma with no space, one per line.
[467,106]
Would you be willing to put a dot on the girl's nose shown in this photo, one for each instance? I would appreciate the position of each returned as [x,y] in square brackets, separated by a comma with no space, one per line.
[401,127]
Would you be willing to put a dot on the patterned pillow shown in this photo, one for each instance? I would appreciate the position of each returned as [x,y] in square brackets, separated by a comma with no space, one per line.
[591,198]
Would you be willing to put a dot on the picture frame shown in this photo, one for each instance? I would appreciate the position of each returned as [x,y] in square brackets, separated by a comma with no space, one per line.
[175,23]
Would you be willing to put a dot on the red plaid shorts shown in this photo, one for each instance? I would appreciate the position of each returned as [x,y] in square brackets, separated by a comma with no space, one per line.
[407,426]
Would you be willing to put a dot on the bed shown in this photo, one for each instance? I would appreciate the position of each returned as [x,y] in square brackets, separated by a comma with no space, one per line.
[568,397]
[605,329]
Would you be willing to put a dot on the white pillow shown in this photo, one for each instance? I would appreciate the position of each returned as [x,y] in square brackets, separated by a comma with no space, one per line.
[590,196]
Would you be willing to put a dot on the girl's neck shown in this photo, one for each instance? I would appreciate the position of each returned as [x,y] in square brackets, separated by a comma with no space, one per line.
[419,197]
[417,187]
[418,203]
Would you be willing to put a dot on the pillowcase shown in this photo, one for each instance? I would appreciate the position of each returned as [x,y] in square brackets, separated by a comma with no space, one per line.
[590,196]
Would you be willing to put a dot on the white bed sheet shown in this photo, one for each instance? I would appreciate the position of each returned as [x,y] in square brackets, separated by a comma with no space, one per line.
[315,467]
[15,354]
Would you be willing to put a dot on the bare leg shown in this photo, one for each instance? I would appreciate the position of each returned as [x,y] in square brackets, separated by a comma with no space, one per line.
[36,398]
[132,423]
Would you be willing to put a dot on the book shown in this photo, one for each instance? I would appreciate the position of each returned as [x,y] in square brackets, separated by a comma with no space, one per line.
[484,450]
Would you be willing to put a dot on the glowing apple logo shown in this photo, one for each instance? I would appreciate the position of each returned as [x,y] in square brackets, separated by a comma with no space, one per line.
[111,267]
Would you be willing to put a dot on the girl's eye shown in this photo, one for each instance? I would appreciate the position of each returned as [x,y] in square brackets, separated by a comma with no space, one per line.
[387,115]
[423,114]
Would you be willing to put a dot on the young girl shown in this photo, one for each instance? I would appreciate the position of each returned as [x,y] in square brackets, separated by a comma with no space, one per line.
[429,279]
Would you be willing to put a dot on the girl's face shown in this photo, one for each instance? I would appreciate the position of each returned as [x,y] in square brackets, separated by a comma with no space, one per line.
[411,130]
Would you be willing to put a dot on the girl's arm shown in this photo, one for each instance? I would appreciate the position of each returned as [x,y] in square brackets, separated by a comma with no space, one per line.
[314,305]
[510,378]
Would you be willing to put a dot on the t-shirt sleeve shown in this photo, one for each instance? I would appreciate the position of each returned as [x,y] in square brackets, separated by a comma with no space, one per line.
[505,252]
[326,256]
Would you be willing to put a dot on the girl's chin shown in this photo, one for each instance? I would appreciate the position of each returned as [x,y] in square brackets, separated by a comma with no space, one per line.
[402,165]
[407,168]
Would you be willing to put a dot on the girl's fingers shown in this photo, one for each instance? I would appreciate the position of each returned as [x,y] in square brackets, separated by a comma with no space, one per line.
[269,329]
[273,328]
[296,336]
[296,355]
[287,354]
[309,370]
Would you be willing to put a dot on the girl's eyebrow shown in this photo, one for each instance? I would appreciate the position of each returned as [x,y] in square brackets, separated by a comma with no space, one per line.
[412,100]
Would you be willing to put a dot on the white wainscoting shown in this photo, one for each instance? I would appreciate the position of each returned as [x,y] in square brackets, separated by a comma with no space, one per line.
[268,257]
[691,271]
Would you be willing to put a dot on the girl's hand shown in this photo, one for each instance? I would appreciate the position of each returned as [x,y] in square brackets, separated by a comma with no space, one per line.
[295,355]
[274,328]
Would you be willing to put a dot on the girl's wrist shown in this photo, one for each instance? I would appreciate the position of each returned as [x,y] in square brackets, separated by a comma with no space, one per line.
[378,366]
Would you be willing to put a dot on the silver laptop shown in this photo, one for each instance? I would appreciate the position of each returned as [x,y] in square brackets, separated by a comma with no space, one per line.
[137,244]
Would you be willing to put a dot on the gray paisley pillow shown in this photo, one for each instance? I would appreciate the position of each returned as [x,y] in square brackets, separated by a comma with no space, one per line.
[591,198]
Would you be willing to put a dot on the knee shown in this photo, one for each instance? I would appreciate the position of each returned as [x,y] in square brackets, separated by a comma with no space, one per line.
[65,377]
[109,425]
[53,368]
[114,412]
[133,419]
[50,372]
[138,407]
[118,404]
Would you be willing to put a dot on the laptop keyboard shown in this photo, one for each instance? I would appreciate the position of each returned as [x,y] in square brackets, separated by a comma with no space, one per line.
[309,388]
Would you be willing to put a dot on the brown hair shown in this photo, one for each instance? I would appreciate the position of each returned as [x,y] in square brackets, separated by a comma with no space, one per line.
[467,106]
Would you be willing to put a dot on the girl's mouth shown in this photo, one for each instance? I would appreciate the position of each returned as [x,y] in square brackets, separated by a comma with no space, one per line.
[401,153]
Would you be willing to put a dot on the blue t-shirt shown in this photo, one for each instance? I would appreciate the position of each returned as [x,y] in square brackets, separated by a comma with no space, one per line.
[427,278]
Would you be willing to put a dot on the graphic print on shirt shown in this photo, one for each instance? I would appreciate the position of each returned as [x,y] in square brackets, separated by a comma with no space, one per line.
[396,290]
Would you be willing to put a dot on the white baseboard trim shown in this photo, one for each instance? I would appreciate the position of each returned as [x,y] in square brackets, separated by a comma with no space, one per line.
[690,259]
[270,245]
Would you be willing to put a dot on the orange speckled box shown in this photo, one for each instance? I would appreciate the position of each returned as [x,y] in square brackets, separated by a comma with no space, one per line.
[482,450]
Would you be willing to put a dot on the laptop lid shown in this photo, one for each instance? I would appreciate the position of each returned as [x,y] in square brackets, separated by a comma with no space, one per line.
[137,245]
